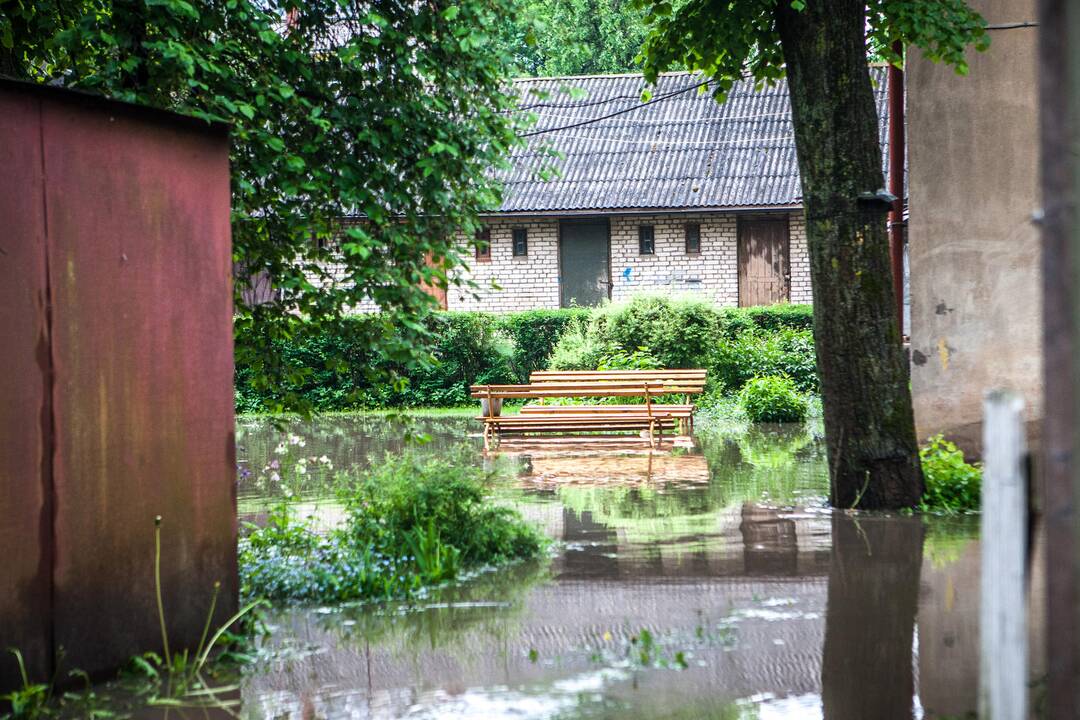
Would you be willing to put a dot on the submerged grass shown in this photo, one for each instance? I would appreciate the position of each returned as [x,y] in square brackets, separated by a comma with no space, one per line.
[410,522]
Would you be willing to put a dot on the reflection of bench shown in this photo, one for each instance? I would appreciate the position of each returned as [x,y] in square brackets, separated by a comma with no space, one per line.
[541,418]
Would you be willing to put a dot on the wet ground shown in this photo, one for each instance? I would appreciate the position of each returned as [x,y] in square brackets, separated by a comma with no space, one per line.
[705,584]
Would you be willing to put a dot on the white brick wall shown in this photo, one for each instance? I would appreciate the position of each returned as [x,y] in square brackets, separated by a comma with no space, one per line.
[713,273]
[801,291]
[532,282]
[528,282]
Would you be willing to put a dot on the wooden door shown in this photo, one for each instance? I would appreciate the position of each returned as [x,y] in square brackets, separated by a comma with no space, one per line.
[764,265]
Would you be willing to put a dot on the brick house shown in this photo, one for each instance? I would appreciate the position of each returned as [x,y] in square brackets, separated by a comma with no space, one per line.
[682,195]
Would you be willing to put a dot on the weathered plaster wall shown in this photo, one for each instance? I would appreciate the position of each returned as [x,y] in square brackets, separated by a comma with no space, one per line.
[974,252]
[523,283]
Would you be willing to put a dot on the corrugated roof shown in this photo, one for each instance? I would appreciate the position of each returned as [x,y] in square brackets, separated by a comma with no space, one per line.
[684,152]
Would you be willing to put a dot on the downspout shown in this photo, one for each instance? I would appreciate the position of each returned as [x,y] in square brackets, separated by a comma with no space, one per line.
[896,181]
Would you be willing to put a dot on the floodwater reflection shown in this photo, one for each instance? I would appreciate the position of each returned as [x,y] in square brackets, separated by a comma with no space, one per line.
[710,584]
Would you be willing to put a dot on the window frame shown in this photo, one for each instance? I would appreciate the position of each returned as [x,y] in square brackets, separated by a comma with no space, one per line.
[696,249]
[646,240]
[483,245]
[522,235]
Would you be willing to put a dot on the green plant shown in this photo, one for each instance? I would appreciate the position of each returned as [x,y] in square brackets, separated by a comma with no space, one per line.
[773,399]
[534,334]
[678,332]
[952,484]
[579,348]
[754,352]
[410,521]
[30,699]
[183,676]
[639,359]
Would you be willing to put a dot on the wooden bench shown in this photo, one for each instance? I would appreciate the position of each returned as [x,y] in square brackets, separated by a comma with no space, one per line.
[582,418]
[541,418]
[675,382]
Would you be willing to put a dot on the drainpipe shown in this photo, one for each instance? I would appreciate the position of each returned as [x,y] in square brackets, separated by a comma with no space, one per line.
[896,181]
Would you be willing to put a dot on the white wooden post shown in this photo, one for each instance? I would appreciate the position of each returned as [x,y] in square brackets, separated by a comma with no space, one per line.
[1003,667]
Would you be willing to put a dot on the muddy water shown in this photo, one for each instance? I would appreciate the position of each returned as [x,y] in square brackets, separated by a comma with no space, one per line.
[703,584]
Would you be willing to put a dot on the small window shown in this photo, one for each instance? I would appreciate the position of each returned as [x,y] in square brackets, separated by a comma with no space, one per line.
[483,245]
[693,238]
[646,242]
[521,242]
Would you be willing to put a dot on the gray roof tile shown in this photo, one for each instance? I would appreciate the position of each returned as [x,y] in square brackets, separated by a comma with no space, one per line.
[685,152]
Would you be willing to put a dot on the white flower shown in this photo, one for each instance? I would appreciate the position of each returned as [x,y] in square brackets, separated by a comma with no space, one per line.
[274,477]
[301,469]
[280,449]
[325,461]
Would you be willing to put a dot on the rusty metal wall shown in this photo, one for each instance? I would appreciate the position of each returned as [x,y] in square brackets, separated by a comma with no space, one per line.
[131,232]
[25,526]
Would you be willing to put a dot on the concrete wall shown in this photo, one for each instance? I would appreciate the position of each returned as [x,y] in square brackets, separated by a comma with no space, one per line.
[974,252]
[507,283]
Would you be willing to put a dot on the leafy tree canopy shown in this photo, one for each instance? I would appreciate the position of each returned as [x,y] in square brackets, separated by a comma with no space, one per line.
[741,38]
[574,37]
[392,110]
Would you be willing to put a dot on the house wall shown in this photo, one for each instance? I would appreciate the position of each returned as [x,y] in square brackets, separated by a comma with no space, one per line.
[974,252]
[532,282]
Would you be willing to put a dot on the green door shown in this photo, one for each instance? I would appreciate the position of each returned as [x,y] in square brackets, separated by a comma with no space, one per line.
[585,279]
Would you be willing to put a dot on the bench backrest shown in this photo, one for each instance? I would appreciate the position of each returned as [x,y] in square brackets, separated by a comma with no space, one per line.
[673,381]
[572,389]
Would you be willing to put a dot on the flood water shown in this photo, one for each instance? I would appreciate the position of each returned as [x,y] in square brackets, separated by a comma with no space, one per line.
[711,583]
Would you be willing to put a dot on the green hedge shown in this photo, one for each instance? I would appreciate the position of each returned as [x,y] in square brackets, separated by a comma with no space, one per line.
[469,348]
[734,344]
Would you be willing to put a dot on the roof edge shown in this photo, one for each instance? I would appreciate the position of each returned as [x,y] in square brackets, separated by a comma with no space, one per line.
[84,97]
[712,209]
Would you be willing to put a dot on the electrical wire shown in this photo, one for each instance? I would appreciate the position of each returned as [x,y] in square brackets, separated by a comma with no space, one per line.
[1012,26]
[590,121]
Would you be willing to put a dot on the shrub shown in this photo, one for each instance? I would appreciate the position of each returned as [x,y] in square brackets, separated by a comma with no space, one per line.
[734,344]
[952,484]
[770,317]
[579,348]
[773,399]
[534,334]
[787,352]
[466,348]
[640,359]
[678,332]
[412,521]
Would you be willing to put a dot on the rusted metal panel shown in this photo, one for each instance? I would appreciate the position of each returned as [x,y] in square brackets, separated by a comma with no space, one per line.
[139,271]
[25,522]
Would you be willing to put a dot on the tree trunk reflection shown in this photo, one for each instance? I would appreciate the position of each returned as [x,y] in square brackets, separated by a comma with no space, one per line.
[867,668]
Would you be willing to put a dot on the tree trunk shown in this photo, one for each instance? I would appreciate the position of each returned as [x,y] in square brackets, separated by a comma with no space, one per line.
[869,423]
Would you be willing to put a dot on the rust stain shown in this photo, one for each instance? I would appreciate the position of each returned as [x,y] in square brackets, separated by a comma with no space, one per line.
[943,353]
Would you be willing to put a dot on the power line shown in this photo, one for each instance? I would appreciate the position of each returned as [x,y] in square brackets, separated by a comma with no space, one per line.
[1012,26]
[590,121]
[613,98]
